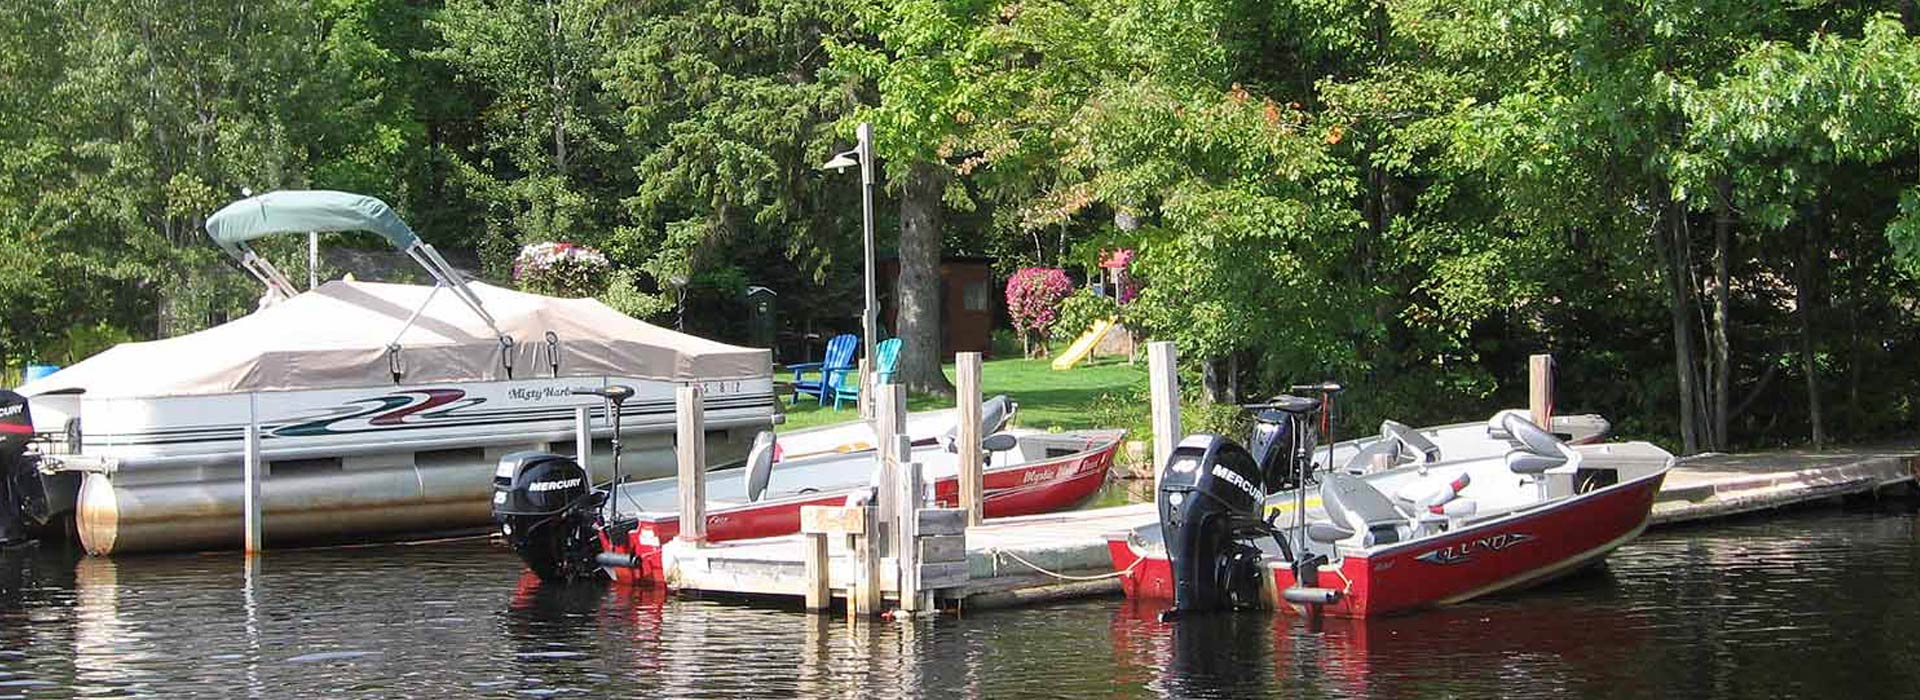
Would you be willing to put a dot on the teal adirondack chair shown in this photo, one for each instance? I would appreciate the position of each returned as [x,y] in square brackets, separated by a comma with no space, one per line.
[838,360]
[888,352]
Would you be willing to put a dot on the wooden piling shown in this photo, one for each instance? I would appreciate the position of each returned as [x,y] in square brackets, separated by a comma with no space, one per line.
[865,599]
[819,573]
[906,554]
[690,445]
[1164,386]
[254,468]
[890,419]
[867,387]
[972,464]
[583,437]
[1540,390]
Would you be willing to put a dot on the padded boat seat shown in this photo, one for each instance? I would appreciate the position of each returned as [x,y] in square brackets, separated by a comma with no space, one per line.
[1294,404]
[1357,506]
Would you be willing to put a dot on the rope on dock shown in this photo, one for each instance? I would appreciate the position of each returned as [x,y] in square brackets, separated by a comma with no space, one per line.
[1064,577]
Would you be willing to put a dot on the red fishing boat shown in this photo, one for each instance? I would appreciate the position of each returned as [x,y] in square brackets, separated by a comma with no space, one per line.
[1400,539]
[564,528]
[1035,472]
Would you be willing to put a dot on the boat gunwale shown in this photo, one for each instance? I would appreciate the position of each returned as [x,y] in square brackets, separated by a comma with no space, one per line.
[1106,440]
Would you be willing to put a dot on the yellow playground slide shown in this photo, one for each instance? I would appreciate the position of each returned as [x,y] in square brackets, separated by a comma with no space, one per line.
[1082,347]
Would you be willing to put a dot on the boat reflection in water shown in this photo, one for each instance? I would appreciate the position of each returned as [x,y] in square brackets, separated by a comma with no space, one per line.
[1560,638]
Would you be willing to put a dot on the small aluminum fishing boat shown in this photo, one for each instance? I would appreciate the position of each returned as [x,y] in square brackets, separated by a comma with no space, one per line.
[1429,533]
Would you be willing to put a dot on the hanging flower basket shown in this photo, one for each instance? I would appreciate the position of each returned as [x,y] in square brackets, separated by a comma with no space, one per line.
[562,269]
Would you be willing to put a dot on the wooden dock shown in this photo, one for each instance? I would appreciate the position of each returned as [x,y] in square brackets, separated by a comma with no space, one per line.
[951,557]
[1721,485]
[1031,559]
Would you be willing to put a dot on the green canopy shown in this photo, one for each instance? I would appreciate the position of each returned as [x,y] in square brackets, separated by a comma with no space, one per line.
[301,211]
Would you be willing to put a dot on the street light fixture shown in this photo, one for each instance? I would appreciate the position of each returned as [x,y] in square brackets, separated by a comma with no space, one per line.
[862,155]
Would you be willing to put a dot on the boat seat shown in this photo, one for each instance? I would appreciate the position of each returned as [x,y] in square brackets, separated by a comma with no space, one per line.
[1288,403]
[1358,507]
[759,466]
[1384,453]
[1327,533]
[994,414]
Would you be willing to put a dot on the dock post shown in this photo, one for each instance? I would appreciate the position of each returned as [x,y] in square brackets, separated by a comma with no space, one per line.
[253,467]
[583,437]
[890,419]
[906,553]
[1540,390]
[867,387]
[866,587]
[1164,385]
[819,573]
[690,445]
[972,467]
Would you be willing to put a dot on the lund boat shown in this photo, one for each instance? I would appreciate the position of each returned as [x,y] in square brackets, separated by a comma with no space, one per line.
[564,529]
[381,409]
[1385,542]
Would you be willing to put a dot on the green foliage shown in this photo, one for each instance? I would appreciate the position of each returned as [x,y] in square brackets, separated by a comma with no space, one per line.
[1410,195]
[1079,311]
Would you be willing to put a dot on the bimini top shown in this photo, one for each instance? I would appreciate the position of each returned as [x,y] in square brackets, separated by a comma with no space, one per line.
[337,336]
[301,211]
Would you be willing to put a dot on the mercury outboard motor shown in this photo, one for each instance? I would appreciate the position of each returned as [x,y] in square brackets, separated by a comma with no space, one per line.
[23,500]
[1210,500]
[548,511]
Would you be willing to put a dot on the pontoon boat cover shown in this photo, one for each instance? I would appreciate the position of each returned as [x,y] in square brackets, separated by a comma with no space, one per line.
[336,337]
[301,211]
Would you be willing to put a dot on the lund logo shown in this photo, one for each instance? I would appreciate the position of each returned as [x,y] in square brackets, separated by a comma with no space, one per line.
[539,486]
[1463,552]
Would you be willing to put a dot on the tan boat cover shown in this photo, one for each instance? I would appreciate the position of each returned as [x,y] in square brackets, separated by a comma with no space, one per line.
[336,337]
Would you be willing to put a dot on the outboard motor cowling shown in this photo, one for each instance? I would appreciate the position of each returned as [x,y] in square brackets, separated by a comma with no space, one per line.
[547,509]
[23,501]
[1210,494]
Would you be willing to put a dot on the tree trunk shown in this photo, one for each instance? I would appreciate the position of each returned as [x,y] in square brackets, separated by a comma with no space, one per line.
[918,288]
[1213,380]
[1803,302]
[1722,346]
[1670,240]
[557,91]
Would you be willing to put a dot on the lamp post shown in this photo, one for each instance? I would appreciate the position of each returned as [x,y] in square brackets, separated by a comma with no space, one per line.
[862,155]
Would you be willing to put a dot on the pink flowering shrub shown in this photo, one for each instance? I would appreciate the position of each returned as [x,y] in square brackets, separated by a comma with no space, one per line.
[562,269]
[1033,300]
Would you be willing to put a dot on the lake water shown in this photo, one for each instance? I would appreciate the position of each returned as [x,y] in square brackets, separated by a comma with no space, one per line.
[1814,604]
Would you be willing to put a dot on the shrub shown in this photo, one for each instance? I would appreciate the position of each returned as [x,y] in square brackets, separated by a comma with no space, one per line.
[1079,312]
[1033,300]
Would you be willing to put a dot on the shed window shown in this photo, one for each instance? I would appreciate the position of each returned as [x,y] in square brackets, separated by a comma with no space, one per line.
[977,296]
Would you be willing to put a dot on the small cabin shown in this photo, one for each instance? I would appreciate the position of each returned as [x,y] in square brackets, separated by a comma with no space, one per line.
[969,300]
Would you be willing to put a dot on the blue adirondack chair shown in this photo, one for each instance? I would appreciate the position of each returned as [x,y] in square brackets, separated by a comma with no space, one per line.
[838,361]
[848,389]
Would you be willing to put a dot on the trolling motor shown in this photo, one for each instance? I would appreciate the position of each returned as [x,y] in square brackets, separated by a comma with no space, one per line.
[1212,494]
[23,499]
[548,509]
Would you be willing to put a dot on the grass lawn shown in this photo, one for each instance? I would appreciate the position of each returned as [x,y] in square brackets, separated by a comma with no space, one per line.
[1108,393]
